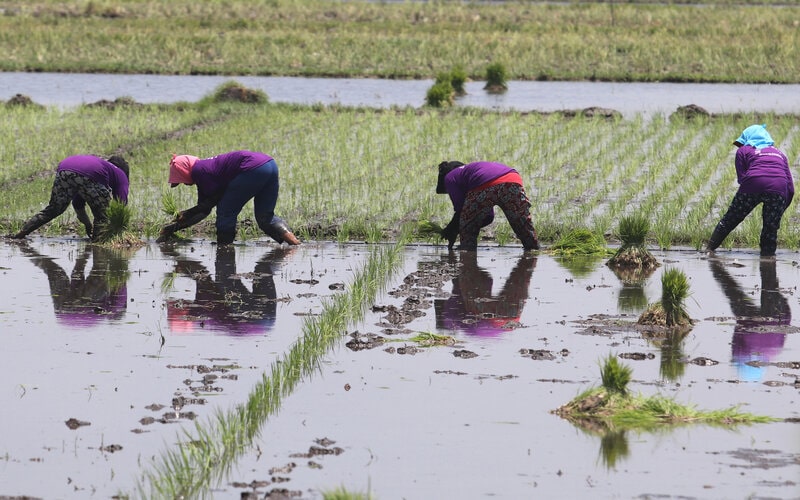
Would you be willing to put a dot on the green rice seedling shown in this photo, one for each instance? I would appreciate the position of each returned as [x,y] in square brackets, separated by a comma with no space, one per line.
[117,231]
[233,91]
[612,407]
[429,229]
[458,79]
[633,252]
[496,78]
[428,339]
[441,94]
[503,234]
[615,375]
[168,203]
[342,493]
[580,242]
[675,291]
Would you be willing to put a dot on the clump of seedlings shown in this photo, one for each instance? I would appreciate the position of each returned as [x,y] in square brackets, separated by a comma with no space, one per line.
[429,230]
[442,93]
[233,91]
[447,86]
[671,311]
[611,407]
[116,232]
[633,254]
[580,242]
[496,78]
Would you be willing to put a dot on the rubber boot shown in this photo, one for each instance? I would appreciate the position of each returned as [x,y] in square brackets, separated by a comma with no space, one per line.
[29,227]
[225,237]
[717,237]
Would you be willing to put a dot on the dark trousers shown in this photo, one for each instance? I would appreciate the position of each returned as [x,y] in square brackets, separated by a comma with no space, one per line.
[741,206]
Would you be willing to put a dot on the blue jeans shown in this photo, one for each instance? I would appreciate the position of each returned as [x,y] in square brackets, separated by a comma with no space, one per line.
[259,184]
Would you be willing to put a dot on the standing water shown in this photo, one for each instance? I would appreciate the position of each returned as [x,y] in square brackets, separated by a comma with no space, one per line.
[111,355]
[71,89]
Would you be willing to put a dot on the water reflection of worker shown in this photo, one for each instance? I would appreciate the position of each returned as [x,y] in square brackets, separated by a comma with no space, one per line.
[757,336]
[473,309]
[224,303]
[82,299]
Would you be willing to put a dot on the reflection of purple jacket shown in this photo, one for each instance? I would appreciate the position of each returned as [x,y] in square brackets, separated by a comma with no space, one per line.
[84,311]
[473,309]
[211,175]
[100,171]
[83,299]
[758,335]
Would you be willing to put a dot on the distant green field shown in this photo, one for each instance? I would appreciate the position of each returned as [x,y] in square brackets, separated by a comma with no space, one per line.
[361,174]
[680,41]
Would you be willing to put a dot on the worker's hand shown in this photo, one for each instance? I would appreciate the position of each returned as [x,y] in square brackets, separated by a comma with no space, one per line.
[450,233]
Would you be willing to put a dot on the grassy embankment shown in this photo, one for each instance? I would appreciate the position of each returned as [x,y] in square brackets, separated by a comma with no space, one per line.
[351,174]
[719,41]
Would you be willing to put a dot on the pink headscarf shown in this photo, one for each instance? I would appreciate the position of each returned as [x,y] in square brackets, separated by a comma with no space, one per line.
[180,169]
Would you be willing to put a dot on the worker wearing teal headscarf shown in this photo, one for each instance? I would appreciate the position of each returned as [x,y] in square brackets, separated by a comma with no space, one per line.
[764,177]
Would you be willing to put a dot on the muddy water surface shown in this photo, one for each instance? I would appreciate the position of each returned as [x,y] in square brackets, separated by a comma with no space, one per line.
[109,355]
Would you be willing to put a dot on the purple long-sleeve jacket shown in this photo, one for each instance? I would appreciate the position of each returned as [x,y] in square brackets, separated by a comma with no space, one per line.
[212,175]
[100,171]
[764,170]
[467,177]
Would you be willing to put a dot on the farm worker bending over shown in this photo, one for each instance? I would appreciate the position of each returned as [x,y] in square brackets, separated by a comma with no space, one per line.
[474,190]
[83,180]
[764,177]
[228,181]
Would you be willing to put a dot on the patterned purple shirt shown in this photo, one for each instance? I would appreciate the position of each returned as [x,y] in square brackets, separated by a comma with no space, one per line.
[466,178]
[100,171]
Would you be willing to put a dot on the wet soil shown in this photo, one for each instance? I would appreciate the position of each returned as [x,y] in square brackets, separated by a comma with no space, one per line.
[445,389]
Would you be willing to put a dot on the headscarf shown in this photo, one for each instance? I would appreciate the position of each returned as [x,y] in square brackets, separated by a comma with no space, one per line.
[756,136]
[180,169]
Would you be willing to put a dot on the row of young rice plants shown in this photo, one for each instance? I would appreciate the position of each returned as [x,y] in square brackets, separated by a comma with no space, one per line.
[359,173]
[630,200]
[620,163]
[709,172]
[569,151]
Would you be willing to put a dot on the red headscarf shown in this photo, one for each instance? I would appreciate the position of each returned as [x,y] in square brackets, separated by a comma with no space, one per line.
[180,169]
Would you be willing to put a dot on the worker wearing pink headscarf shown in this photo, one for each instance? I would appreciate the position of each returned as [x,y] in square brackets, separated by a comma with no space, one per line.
[227,182]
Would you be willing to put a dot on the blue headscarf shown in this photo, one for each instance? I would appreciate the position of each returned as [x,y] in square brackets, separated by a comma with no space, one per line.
[756,136]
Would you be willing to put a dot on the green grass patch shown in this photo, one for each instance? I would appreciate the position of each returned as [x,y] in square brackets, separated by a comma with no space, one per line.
[614,41]
[612,408]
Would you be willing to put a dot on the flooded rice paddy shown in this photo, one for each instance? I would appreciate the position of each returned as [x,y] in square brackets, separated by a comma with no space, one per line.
[109,355]
[73,89]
